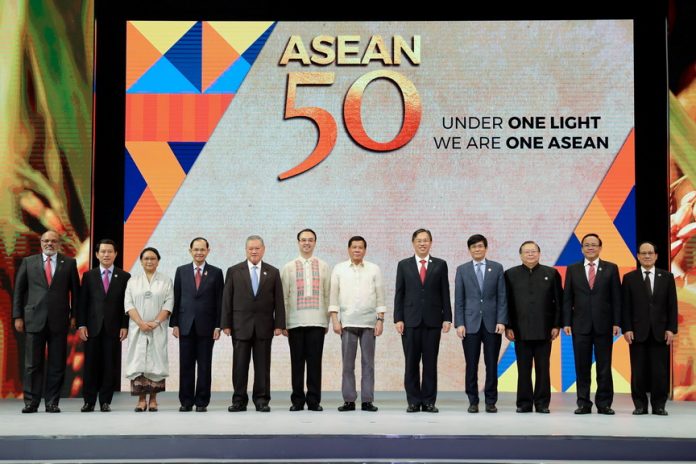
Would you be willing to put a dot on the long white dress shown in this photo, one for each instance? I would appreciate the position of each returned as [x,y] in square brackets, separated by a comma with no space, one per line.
[147,351]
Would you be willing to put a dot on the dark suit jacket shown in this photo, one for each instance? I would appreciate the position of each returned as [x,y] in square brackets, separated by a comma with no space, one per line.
[535,299]
[97,309]
[204,306]
[598,308]
[37,303]
[642,312]
[427,303]
[471,307]
[252,316]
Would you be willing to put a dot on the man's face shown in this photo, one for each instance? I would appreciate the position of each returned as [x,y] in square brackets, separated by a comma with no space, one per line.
[255,251]
[647,256]
[199,252]
[50,241]
[591,248]
[356,251]
[422,244]
[307,242]
[106,254]
[530,255]
[478,251]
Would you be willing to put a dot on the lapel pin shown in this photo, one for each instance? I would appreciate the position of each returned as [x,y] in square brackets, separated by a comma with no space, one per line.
[265,273]
[430,260]
[659,275]
[205,273]
[546,278]
[115,275]
[489,269]
[599,268]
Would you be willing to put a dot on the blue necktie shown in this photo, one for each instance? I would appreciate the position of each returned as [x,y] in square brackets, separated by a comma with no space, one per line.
[254,279]
[479,275]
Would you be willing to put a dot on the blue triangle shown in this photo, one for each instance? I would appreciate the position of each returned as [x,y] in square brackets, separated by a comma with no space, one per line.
[508,359]
[162,77]
[186,153]
[186,54]
[572,252]
[134,186]
[231,79]
[625,221]
[254,49]
[567,362]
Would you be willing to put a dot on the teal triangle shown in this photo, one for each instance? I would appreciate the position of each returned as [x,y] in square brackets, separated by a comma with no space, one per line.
[231,79]
[163,77]
[186,54]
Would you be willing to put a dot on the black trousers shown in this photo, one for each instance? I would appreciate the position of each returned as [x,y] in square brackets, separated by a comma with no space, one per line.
[195,357]
[244,350]
[35,362]
[649,372]
[101,367]
[472,352]
[538,354]
[583,345]
[421,344]
[306,348]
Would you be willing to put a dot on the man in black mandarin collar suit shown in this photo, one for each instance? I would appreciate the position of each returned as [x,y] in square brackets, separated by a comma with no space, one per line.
[196,323]
[253,311]
[592,315]
[103,325]
[422,310]
[649,323]
[44,301]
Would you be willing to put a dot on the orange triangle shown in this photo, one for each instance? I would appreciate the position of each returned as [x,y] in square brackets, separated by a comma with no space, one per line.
[218,56]
[140,55]
[620,179]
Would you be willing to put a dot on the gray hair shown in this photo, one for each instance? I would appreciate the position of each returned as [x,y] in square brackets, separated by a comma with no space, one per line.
[255,237]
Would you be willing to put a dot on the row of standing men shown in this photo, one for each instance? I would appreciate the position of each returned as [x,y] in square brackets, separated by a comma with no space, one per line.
[257,301]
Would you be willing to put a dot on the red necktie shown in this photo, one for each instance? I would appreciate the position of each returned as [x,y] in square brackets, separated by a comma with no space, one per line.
[198,277]
[422,271]
[49,275]
[591,275]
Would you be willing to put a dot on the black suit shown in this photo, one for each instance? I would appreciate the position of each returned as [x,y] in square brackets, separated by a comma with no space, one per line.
[535,298]
[648,317]
[422,307]
[252,320]
[46,311]
[103,314]
[197,314]
[592,313]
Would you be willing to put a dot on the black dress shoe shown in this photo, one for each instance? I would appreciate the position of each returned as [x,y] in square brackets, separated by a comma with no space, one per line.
[473,408]
[30,408]
[315,407]
[543,410]
[491,408]
[640,411]
[105,407]
[201,408]
[413,408]
[52,408]
[347,406]
[296,407]
[140,408]
[185,408]
[583,410]
[606,410]
[429,408]
[660,412]
[237,407]
[368,406]
[87,407]
[263,408]
[524,409]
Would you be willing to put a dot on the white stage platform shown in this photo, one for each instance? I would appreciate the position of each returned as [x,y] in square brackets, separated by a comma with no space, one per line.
[389,434]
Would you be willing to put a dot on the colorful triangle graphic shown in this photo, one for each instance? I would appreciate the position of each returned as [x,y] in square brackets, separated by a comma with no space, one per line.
[185,55]
[163,77]
[218,56]
[140,55]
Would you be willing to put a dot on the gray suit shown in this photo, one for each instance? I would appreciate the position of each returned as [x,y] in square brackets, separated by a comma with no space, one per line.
[479,312]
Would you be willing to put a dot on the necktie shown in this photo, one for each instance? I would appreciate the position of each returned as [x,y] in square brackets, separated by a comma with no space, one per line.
[198,277]
[422,271]
[49,274]
[105,279]
[591,275]
[479,275]
[255,279]
[647,283]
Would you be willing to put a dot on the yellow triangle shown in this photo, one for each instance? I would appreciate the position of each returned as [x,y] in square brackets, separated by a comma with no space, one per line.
[163,34]
[240,34]
[508,381]
[596,220]
[621,385]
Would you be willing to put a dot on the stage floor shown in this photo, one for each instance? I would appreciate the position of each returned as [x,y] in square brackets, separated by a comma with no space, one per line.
[390,433]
